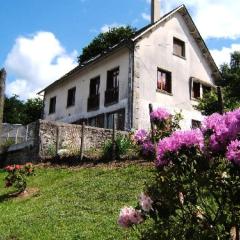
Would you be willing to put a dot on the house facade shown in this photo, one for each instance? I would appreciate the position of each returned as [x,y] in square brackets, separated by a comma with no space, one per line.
[166,64]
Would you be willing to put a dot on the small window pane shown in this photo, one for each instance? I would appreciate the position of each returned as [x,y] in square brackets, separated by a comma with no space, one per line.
[164,81]
[196,90]
[71,97]
[178,47]
[52,105]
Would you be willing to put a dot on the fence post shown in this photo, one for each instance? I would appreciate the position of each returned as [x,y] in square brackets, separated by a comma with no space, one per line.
[220,100]
[26,137]
[82,141]
[57,140]
[16,137]
[152,125]
[2,92]
[114,139]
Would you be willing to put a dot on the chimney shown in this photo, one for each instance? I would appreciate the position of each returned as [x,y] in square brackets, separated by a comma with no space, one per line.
[155,10]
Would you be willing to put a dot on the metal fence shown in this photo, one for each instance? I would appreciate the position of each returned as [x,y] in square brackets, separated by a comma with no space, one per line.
[17,133]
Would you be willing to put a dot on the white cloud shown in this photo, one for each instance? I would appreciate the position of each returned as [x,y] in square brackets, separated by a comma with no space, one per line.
[36,61]
[146,17]
[106,27]
[224,55]
[214,18]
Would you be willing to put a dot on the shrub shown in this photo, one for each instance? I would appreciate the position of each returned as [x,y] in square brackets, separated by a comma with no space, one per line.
[195,193]
[17,176]
[123,145]
[163,125]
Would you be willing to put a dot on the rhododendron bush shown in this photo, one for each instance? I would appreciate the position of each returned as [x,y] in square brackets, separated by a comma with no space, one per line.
[163,124]
[196,190]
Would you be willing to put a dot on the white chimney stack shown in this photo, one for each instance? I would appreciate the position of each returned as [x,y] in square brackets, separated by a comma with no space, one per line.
[155,10]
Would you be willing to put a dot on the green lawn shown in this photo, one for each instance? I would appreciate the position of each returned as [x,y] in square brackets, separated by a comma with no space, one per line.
[72,203]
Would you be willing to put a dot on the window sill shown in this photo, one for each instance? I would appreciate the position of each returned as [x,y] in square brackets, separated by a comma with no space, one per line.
[164,92]
[195,99]
[70,106]
[184,58]
[93,109]
[51,113]
[111,103]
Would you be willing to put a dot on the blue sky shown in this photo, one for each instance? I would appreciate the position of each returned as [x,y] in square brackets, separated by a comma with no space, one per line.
[41,39]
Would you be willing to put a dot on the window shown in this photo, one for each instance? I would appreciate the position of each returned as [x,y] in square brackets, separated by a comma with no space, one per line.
[119,119]
[196,90]
[94,86]
[97,121]
[196,124]
[164,81]
[113,78]
[179,47]
[71,97]
[93,99]
[112,91]
[52,105]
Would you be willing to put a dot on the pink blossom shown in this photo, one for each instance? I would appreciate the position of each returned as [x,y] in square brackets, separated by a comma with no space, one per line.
[160,114]
[129,216]
[176,141]
[221,129]
[145,202]
[233,152]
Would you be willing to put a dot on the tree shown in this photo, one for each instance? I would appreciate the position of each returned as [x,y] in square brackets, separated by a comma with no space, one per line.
[33,110]
[2,90]
[18,111]
[230,84]
[104,41]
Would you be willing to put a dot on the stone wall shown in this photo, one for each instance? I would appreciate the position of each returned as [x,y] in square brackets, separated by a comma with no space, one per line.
[55,136]
[46,138]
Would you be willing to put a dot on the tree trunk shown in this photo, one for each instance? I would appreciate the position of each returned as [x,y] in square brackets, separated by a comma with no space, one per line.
[2,93]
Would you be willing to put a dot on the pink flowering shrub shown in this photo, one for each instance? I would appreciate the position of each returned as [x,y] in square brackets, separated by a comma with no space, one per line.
[196,190]
[163,125]
[129,216]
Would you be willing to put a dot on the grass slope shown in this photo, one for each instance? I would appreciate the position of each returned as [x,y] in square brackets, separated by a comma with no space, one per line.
[72,204]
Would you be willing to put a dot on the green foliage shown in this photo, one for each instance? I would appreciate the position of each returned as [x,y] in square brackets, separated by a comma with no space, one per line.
[18,111]
[17,176]
[104,41]
[230,84]
[208,207]
[6,144]
[209,103]
[123,146]
[72,203]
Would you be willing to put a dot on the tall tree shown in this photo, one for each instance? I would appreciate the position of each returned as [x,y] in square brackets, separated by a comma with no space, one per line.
[2,93]
[18,111]
[230,85]
[104,41]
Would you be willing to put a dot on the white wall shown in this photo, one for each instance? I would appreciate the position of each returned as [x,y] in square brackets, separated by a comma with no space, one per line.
[81,81]
[155,50]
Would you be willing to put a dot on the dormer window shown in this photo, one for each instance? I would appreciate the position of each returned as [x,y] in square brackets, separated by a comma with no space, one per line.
[179,48]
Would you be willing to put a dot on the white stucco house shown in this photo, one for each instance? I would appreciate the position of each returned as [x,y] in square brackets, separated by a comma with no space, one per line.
[165,63]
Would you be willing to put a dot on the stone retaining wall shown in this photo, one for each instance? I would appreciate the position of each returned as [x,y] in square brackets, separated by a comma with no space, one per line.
[48,137]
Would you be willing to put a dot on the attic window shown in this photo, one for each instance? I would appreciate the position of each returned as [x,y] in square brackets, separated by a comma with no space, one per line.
[52,105]
[179,48]
[164,81]
[71,97]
